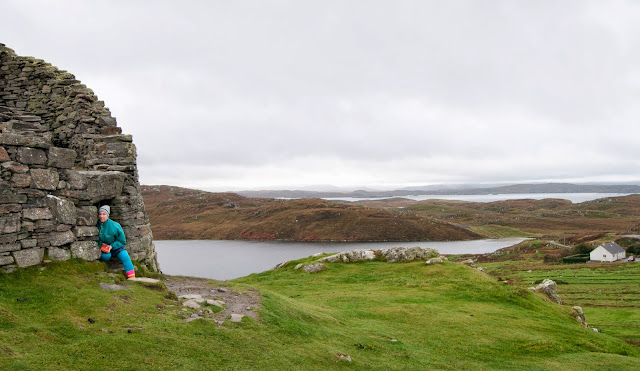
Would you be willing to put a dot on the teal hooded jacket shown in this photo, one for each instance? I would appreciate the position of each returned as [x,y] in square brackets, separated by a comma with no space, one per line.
[111,233]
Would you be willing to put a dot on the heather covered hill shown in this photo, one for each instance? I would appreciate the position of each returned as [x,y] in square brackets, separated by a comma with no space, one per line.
[548,217]
[179,213]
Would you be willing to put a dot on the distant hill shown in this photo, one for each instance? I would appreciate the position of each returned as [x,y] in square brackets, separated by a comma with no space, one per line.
[453,190]
[180,213]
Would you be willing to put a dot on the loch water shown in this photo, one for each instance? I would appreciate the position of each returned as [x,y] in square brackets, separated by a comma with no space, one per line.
[223,260]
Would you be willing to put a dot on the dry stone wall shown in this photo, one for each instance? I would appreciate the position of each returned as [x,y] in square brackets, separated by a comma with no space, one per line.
[62,156]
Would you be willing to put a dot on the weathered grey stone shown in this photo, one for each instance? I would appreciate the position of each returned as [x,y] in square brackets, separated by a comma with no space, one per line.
[342,356]
[434,261]
[63,158]
[350,256]
[190,296]
[15,167]
[63,227]
[409,254]
[87,250]
[101,185]
[85,231]
[64,211]
[10,223]
[87,215]
[314,268]
[57,253]
[61,238]
[104,185]
[10,247]
[469,262]
[10,208]
[8,238]
[37,213]
[75,180]
[550,289]
[112,286]
[28,257]
[191,304]
[298,266]
[28,243]
[21,180]
[235,317]
[10,268]
[44,179]
[7,259]
[13,198]
[44,226]
[579,315]
[13,139]
[216,303]
[31,156]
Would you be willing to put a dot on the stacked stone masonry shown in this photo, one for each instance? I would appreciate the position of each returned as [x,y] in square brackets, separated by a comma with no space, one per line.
[62,156]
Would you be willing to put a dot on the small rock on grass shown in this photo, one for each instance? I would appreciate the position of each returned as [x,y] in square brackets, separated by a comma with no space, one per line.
[112,287]
[191,304]
[217,303]
[190,296]
[346,357]
[314,268]
[235,317]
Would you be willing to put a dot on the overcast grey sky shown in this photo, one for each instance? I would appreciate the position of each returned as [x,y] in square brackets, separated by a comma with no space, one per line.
[231,95]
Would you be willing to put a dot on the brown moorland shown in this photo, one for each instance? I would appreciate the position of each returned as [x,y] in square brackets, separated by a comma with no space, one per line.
[547,218]
[180,213]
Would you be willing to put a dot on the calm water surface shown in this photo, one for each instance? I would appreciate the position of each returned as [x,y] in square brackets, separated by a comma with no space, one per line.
[573,197]
[223,260]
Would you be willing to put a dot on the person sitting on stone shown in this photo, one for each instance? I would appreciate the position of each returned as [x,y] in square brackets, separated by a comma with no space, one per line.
[111,241]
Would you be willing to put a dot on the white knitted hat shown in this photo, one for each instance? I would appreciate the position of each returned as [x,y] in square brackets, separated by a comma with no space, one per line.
[105,208]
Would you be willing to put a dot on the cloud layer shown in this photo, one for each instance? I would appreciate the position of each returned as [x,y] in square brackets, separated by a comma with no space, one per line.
[282,94]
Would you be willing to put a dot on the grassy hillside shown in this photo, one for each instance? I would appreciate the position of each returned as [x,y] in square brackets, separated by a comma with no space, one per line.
[385,316]
[609,294]
[178,213]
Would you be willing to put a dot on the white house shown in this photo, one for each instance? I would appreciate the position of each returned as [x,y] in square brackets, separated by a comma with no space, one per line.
[609,252]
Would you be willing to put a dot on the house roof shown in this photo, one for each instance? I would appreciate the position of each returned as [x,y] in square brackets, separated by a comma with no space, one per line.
[613,248]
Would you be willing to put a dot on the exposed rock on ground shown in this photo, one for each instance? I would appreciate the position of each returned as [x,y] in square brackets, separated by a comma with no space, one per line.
[550,289]
[200,291]
[393,254]
[350,256]
[578,313]
[314,268]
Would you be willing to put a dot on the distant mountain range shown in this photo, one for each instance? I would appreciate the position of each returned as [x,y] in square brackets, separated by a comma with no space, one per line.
[453,190]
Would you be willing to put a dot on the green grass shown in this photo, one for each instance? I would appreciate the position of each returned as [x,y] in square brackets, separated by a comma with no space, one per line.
[385,316]
[609,294]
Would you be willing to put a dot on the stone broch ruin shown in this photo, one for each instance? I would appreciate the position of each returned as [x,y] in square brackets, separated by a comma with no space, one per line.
[62,156]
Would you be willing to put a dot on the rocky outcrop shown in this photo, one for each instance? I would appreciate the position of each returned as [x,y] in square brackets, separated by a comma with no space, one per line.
[409,254]
[431,261]
[550,289]
[62,156]
[393,254]
[314,268]
[350,256]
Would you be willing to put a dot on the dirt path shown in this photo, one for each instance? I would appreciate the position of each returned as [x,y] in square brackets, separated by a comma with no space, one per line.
[235,303]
